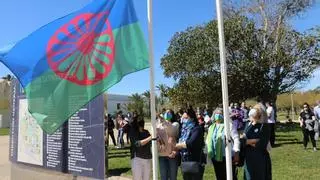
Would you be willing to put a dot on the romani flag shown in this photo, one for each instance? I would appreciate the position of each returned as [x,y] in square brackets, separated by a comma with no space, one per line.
[68,62]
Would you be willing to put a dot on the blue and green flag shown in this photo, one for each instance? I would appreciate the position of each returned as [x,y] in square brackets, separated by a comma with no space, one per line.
[68,62]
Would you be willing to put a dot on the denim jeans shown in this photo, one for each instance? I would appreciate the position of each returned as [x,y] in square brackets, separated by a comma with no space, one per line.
[168,168]
[120,138]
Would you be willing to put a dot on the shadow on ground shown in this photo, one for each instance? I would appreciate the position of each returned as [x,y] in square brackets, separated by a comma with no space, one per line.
[287,139]
[285,143]
[118,152]
[287,127]
[119,156]
[118,171]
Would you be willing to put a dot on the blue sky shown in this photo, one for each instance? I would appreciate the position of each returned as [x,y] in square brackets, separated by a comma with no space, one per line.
[19,18]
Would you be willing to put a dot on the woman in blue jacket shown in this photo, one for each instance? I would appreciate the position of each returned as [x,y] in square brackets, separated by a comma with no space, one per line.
[191,143]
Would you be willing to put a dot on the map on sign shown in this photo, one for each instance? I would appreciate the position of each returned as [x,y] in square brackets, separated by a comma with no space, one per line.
[30,140]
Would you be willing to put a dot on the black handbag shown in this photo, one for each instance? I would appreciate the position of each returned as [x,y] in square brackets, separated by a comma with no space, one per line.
[192,167]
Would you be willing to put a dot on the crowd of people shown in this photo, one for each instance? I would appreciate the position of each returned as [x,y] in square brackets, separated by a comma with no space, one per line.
[190,139]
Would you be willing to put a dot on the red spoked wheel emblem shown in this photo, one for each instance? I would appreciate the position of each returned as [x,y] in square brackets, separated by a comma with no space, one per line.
[82,51]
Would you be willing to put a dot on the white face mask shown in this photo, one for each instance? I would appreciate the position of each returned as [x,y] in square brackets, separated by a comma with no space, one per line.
[252,112]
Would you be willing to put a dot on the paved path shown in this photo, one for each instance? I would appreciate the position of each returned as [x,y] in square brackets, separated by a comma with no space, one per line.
[4,158]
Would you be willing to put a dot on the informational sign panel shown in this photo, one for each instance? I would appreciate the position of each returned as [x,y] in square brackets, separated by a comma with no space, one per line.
[76,148]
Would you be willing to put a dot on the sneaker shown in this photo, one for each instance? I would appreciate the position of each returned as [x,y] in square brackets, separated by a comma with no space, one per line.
[314,149]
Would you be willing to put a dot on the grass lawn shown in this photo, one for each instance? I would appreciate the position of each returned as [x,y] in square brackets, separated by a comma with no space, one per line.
[289,159]
[282,116]
[4,131]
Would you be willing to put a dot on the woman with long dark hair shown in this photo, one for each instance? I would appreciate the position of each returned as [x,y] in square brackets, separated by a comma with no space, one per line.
[140,150]
[308,125]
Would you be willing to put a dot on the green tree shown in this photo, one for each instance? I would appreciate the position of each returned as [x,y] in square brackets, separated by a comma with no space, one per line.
[291,56]
[163,89]
[147,96]
[136,104]
[192,60]
[263,60]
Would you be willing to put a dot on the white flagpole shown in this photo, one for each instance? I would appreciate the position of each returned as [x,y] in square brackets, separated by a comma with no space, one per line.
[224,82]
[152,94]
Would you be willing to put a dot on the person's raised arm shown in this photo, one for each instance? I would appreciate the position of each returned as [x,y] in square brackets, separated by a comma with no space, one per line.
[145,141]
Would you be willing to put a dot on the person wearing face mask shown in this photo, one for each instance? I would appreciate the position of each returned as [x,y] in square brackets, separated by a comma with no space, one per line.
[308,124]
[166,146]
[216,146]
[257,161]
[191,144]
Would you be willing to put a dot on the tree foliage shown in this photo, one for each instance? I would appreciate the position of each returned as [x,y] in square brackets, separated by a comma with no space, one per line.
[298,99]
[147,96]
[141,103]
[136,104]
[264,59]
[163,90]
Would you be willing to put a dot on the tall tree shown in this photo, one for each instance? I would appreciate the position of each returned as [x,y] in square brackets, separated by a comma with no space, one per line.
[255,67]
[193,60]
[136,104]
[292,56]
[163,89]
[147,96]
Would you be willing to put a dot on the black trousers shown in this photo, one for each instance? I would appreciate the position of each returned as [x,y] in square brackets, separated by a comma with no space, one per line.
[221,171]
[111,133]
[272,134]
[306,135]
[128,139]
[198,176]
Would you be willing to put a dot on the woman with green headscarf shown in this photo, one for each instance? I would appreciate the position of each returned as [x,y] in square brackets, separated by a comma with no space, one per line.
[216,146]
